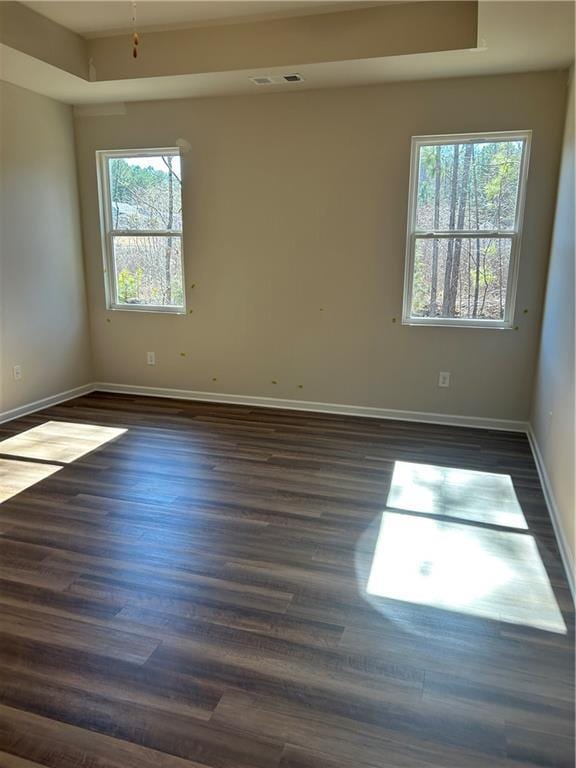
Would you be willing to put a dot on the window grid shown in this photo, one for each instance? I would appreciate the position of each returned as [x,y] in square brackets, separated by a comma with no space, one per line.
[109,232]
[513,234]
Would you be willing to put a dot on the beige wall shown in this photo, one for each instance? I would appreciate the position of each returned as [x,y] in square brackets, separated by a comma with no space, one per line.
[364,33]
[553,414]
[295,216]
[43,320]
[27,31]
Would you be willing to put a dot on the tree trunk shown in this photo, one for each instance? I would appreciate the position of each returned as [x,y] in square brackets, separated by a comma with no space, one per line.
[485,283]
[500,267]
[170,222]
[452,222]
[477,274]
[433,310]
[115,206]
[455,266]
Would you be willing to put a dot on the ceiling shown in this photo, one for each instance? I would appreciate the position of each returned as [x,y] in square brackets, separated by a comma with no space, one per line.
[94,19]
[512,36]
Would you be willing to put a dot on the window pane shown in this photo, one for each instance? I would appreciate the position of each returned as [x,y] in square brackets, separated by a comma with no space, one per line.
[148,271]
[471,186]
[461,277]
[145,192]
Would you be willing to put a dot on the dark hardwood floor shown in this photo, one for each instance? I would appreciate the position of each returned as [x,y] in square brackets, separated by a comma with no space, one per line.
[194,592]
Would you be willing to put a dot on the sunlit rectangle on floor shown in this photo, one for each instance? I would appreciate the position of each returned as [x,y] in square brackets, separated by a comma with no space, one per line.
[17,476]
[59,441]
[485,497]
[457,567]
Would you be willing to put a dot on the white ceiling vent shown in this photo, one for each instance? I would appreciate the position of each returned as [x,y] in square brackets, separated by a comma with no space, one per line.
[293,77]
[262,80]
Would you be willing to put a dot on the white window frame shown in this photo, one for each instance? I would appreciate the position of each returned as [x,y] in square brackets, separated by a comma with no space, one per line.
[514,235]
[108,232]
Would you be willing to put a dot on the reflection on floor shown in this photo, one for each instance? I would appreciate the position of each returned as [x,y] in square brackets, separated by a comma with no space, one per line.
[54,441]
[17,476]
[59,441]
[482,496]
[458,566]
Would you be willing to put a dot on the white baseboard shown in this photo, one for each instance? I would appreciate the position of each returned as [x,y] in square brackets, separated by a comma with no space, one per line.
[478,422]
[45,402]
[553,511]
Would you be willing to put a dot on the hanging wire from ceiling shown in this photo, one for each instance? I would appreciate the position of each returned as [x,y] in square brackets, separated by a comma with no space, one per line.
[135,38]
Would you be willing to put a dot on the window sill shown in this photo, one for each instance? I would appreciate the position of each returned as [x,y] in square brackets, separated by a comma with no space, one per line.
[492,325]
[148,309]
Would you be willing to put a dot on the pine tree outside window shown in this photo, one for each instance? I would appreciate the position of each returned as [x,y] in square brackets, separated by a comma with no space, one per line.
[141,222]
[465,212]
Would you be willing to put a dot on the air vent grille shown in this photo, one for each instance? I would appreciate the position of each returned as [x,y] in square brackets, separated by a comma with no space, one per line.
[262,80]
[292,77]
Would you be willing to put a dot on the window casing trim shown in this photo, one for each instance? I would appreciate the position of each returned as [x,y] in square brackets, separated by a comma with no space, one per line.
[107,232]
[515,234]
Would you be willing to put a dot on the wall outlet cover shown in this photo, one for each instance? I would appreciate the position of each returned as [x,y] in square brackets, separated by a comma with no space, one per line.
[444,379]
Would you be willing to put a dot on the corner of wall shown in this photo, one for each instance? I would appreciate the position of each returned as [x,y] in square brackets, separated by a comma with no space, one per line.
[552,416]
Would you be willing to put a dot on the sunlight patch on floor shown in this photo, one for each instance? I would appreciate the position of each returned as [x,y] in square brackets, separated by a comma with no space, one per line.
[17,476]
[477,571]
[59,441]
[480,496]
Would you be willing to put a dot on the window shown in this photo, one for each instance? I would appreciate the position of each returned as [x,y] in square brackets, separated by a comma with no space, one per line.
[464,224]
[141,218]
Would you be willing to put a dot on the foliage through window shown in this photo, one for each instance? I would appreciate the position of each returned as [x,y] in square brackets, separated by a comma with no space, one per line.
[464,225]
[141,211]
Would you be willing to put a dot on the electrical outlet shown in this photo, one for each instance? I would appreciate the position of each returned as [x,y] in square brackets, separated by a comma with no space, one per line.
[17,373]
[151,358]
[444,379]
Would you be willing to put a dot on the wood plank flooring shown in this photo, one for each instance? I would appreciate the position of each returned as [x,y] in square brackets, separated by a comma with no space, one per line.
[193,593]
